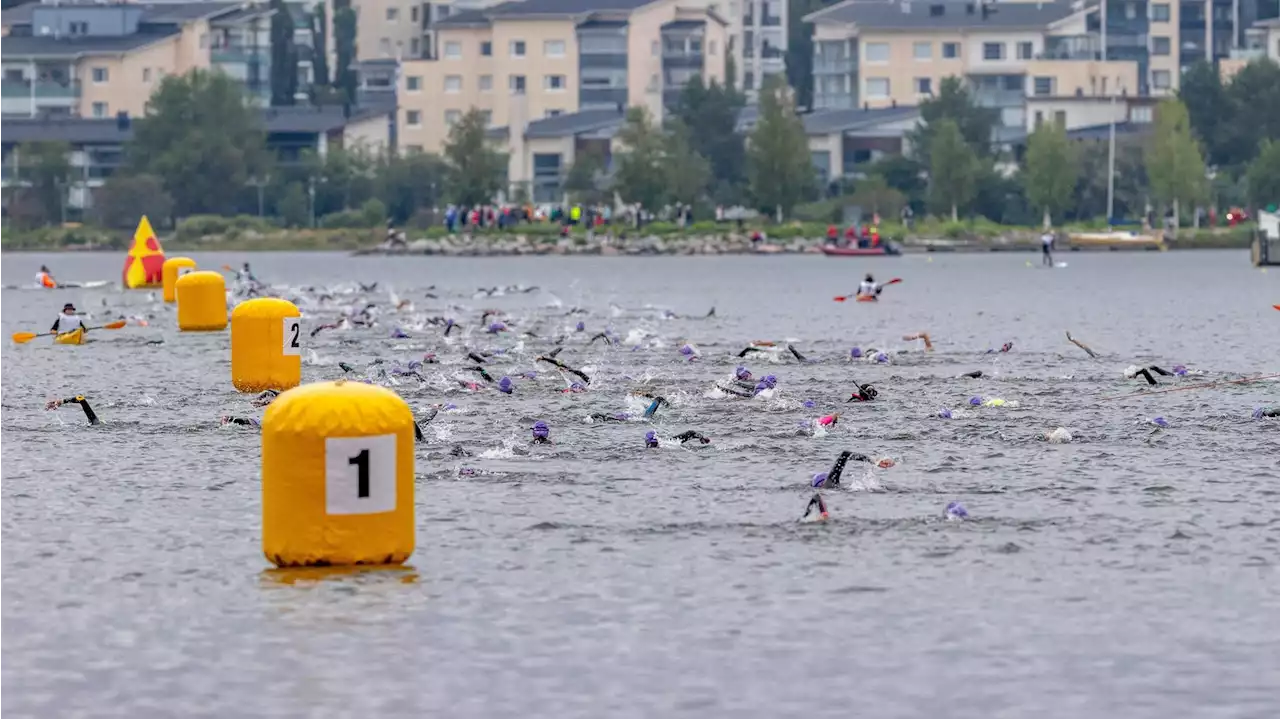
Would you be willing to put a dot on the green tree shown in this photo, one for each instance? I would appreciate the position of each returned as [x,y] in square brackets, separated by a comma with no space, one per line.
[1202,91]
[409,183]
[639,176]
[292,207]
[476,172]
[344,45]
[905,175]
[687,172]
[953,169]
[1050,172]
[1251,113]
[1264,176]
[44,168]
[1174,164]
[284,56]
[874,195]
[124,197]
[710,112]
[585,182]
[953,102]
[799,58]
[319,47]
[779,165]
[201,140]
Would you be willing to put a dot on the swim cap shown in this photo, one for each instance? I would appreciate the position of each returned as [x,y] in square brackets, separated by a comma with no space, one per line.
[1257,413]
[742,373]
[855,353]
[809,404]
[771,381]
[414,364]
[1180,370]
[449,406]
[882,357]
[955,510]
[1160,422]
[497,327]
[651,439]
[576,387]
[581,326]
[686,350]
[540,429]
[975,400]
[399,334]
[819,479]
[504,385]
[449,323]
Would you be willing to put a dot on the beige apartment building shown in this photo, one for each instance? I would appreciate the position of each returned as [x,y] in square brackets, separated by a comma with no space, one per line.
[523,62]
[1032,61]
[94,60]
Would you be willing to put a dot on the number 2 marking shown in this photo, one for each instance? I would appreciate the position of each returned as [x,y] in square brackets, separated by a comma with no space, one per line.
[292,337]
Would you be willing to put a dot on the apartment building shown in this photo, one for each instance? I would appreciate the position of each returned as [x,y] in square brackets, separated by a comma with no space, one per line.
[521,62]
[95,60]
[1032,61]
[760,43]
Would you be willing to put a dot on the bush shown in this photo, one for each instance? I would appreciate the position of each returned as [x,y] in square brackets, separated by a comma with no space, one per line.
[374,212]
[345,220]
[196,227]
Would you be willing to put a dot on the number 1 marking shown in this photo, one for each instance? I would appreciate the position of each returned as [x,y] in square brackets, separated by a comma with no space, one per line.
[361,461]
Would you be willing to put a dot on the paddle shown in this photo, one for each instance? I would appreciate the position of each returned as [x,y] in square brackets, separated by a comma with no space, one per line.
[25,337]
[842,298]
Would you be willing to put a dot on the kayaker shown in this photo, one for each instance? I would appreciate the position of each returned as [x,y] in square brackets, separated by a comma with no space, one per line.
[45,279]
[1046,248]
[868,288]
[68,321]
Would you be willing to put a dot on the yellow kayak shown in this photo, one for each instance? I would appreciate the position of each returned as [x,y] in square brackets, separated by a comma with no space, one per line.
[73,337]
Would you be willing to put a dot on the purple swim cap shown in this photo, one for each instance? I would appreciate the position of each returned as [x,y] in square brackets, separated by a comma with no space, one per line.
[448,406]
[504,385]
[882,357]
[686,350]
[771,381]
[414,364]
[819,479]
[1180,370]
[957,511]
[449,322]
[945,414]
[497,327]
[1257,413]
[855,353]
[651,438]
[540,429]
[810,404]
[742,373]
[1160,422]
[581,326]
[975,400]
[399,334]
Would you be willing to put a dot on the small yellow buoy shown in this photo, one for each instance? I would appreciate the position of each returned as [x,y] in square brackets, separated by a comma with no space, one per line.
[202,301]
[175,267]
[266,345]
[337,476]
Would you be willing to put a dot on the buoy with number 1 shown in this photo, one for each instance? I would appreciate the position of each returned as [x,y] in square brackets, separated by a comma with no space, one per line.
[266,345]
[337,476]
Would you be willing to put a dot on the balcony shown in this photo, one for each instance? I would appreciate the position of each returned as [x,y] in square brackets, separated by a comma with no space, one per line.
[239,54]
[834,65]
[46,97]
[44,89]
[998,98]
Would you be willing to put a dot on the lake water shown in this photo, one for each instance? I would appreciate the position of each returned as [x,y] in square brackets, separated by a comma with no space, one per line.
[1126,574]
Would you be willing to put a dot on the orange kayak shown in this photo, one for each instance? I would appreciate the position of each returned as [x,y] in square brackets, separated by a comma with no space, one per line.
[868,298]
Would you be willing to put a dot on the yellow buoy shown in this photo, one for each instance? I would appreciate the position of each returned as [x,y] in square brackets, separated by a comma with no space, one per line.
[266,345]
[202,301]
[337,476]
[175,267]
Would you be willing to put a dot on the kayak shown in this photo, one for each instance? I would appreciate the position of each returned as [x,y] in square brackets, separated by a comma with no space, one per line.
[73,337]
[887,249]
[867,298]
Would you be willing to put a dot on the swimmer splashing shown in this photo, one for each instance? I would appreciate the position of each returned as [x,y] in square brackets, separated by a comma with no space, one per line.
[78,399]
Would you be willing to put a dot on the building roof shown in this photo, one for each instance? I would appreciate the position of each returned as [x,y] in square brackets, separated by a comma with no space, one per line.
[574,123]
[466,18]
[685,25]
[186,12]
[525,8]
[1103,131]
[920,14]
[826,122]
[24,47]
[84,131]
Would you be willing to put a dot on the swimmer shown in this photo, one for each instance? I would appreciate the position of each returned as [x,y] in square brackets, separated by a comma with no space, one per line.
[976,374]
[448,327]
[1261,412]
[864,393]
[768,383]
[928,343]
[265,398]
[67,321]
[831,478]
[651,440]
[541,433]
[829,420]
[459,451]
[1003,348]
[799,357]
[78,399]
[742,376]
[478,358]
[654,405]
[505,386]
[1145,372]
[686,437]
[955,511]
[601,417]
[240,421]
[481,370]
[551,359]
[573,388]
[600,336]
[816,511]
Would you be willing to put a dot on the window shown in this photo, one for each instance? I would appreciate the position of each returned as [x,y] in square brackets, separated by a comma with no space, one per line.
[1160,46]
[451,117]
[99,109]
[992,51]
[487,116]
[1039,118]
[877,88]
[922,50]
[555,113]
[99,75]
[146,74]
[413,14]
[413,83]
[452,50]
[1044,86]
[486,48]
[1025,50]
[553,82]
[415,48]
[413,118]
[517,48]
[876,52]
[950,50]
[78,28]
[1161,79]
[924,86]
[393,14]
[1160,12]
[1131,11]
[515,83]
[1140,114]
[453,83]
[1060,118]
[486,83]
[553,48]
[384,46]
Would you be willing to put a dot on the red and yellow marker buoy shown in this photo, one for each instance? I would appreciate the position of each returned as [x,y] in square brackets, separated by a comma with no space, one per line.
[144,267]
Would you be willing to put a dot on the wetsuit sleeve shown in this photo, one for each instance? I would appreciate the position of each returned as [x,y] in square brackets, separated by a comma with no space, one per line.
[686,436]
[833,477]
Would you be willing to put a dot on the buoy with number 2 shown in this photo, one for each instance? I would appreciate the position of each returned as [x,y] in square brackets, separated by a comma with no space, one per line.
[266,345]
[337,476]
